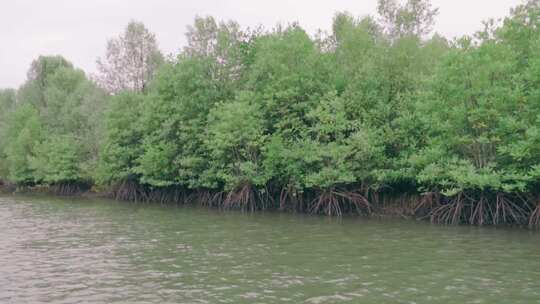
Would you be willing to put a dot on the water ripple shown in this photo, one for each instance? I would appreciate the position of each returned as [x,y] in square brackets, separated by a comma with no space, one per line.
[98,251]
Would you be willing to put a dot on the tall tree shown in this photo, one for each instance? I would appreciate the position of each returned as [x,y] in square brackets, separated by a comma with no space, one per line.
[175,121]
[414,18]
[122,138]
[7,106]
[224,43]
[22,135]
[130,60]
[38,78]
[53,134]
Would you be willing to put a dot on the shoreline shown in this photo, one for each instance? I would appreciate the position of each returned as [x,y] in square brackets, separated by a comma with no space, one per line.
[403,206]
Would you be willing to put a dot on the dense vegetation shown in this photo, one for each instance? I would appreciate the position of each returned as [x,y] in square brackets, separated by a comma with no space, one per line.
[376,116]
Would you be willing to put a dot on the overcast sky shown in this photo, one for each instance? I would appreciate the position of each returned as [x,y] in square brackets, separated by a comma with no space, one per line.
[78,29]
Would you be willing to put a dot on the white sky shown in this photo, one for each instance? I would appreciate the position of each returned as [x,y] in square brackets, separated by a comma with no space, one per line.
[79,29]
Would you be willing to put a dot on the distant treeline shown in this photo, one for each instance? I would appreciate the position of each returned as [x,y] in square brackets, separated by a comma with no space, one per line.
[379,114]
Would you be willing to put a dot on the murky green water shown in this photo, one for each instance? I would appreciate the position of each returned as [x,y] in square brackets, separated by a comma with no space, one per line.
[99,251]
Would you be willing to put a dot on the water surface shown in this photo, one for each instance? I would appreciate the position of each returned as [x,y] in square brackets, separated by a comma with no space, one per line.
[99,251]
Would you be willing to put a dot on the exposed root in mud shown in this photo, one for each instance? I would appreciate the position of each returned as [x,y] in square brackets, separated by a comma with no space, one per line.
[482,209]
[507,210]
[534,219]
[207,198]
[476,208]
[427,202]
[449,213]
[336,202]
[243,197]
[129,190]
[6,187]
[396,205]
[169,195]
[69,188]
[291,197]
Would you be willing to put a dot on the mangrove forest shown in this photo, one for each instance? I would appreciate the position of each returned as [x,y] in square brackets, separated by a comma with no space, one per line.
[379,116]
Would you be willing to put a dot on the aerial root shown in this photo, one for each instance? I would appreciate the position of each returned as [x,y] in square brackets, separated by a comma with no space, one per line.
[482,209]
[534,219]
[481,212]
[336,202]
[291,196]
[428,202]
[169,195]
[404,205]
[129,191]
[69,188]
[244,197]
[203,197]
[508,211]
[450,213]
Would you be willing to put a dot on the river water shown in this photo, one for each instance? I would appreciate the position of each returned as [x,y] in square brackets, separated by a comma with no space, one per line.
[99,251]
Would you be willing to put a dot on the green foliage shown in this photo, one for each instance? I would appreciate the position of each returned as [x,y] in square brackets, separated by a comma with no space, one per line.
[39,75]
[23,133]
[57,160]
[483,123]
[174,123]
[51,129]
[235,139]
[7,106]
[343,150]
[375,104]
[287,78]
[122,138]
[413,18]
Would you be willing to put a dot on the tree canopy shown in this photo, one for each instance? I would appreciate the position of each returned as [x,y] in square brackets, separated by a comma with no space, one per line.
[131,60]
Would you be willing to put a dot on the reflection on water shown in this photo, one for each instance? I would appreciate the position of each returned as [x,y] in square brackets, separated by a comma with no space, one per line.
[100,251]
